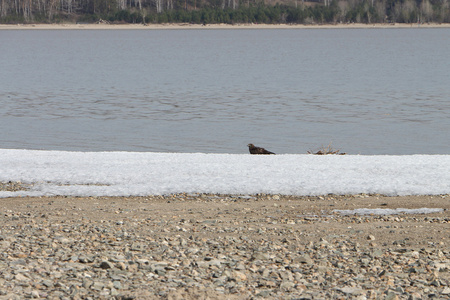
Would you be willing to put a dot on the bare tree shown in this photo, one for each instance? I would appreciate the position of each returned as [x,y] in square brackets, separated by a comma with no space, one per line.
[26,10]
[343,9]
[408,7]
[159,6]
[169,4]
[380,8]
[121,4]
[426,11]
[444,15]
[3,8]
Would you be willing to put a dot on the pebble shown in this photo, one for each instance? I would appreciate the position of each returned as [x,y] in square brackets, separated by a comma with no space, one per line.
[139,257]
[14,186]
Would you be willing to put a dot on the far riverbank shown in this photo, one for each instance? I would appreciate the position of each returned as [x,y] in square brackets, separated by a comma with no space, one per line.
[217,26]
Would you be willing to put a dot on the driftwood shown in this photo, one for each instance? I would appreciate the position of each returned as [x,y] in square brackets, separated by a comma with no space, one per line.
[101,21]
[326,151]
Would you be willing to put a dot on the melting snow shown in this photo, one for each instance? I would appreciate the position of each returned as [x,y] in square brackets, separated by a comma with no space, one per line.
[146,173]
[387,211]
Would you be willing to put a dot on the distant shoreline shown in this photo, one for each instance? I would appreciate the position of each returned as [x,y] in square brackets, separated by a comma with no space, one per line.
[215,26]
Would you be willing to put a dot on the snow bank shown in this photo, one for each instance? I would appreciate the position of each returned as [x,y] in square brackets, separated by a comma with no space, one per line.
[387,211]
[143,173]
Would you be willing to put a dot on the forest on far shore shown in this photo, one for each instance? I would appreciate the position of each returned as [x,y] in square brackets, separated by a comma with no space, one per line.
[225,11]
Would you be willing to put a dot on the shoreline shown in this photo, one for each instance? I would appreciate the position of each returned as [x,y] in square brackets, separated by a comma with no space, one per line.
[261,208]
[198,246]
[178,26]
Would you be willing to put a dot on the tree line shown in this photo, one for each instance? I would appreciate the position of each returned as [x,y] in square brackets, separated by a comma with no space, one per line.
[225,11]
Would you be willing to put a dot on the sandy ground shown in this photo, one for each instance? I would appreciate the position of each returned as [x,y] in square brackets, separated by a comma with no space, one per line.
[214,26]
[201,246]
[314,217]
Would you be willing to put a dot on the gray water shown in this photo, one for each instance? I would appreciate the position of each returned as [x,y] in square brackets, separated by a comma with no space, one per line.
[366,91]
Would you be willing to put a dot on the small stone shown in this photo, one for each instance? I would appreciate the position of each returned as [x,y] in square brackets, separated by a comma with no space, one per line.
[286,286]
[106,265]
[304,259]
[138,247]
[87,283]
[117,285]
[121,266]
[85,259]
[377,253]
[21,277]
[48,283]
[133,268]
[391,296]
[370,237]
[98,286]
[263,294]
[35,294]
[239,276]
[260,256]
[350,290]
[215,263]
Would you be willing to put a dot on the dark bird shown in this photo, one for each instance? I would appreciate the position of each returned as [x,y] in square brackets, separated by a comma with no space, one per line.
[257,150]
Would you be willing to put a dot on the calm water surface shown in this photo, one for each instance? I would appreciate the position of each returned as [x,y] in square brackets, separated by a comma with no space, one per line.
[368,91]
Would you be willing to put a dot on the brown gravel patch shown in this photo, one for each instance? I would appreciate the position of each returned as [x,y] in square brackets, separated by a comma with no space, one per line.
[196,246]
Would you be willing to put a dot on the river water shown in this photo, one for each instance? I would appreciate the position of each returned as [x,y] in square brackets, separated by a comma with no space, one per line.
[366,91]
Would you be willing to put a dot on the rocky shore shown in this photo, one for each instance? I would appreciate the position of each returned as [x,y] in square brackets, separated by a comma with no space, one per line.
[222,247]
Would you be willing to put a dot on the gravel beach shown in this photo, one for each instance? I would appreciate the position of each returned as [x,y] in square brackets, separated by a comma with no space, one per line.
[196,246]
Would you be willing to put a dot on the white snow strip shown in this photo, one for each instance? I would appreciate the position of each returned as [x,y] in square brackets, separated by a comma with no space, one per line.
[387,211]
[147,173]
